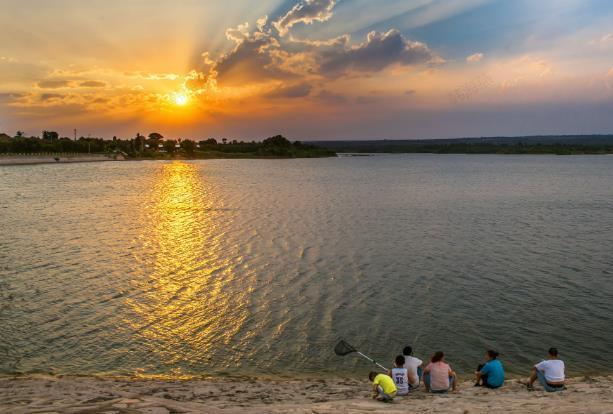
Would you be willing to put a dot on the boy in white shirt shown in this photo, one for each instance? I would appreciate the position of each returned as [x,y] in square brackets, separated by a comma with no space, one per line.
[414,367]
[400,377]
[549,372]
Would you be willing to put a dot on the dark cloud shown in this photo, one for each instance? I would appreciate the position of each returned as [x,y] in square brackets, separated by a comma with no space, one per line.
[330,97]
[378,52]
[11,96]
[263,55]
[92,84]
[292,91]
[53,84]
[307,12]
[255,56]
[50,96]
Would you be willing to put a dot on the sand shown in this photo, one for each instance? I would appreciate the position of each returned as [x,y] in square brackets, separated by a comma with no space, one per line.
[57,394]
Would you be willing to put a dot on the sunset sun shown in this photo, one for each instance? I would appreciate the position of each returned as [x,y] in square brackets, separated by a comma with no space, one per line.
[181,99]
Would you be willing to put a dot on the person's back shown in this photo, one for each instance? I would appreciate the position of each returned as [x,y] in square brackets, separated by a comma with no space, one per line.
[553,369]
[384,388]
[495,373]
[400,376]
[549,372]
[412,365]
[439,375]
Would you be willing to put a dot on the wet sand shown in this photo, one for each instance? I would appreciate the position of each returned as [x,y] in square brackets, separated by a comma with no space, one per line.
[56,394]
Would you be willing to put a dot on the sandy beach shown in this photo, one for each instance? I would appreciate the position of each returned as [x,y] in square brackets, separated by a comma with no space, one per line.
[57,394]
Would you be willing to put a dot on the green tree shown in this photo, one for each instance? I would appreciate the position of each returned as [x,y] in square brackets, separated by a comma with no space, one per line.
[188,146]
[139,142]
[156,136]
[169,146]
[277,141]
[50,135]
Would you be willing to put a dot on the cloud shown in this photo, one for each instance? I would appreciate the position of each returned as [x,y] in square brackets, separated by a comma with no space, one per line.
[153,76]
[256,56]
[307,12]
[379,51]
[299,90]
[92,84]
[330,97]
[8,59]
[199,82]
[50,96]
[261,56]
[53,84]
[11,96]
[63,83]
[475,57]
[261,23]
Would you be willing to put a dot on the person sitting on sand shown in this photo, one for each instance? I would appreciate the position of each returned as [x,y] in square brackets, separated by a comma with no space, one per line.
[414,367]
[549,372]
[383,387]
[491,373]
[400,376]
[438,375]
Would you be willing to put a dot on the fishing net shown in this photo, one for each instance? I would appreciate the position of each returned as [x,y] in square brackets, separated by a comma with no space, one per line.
[343,348]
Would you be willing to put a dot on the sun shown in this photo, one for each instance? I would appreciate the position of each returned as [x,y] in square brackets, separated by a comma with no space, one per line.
[181,99]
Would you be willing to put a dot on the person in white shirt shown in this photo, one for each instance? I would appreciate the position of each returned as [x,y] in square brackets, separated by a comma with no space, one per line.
[400,377]
[549,372]
[414,367]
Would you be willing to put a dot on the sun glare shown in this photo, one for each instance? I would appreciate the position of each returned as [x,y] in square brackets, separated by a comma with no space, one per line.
[181,99]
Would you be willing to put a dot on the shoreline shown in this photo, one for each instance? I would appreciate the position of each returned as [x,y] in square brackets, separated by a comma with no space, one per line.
[13,160]
[93,394]
[9,160]
[17,160]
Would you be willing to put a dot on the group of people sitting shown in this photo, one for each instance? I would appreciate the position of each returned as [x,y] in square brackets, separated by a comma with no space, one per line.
[438,377]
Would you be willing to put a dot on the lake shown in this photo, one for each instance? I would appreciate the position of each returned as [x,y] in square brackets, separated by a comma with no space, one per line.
[258,267]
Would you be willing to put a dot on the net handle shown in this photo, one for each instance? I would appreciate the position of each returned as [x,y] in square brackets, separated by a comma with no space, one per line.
[372,360]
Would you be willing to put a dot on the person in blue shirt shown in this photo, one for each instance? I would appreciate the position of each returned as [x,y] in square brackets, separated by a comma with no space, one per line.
[491,373]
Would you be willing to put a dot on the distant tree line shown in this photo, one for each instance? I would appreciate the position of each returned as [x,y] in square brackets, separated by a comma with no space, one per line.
[156,146]
[527,145]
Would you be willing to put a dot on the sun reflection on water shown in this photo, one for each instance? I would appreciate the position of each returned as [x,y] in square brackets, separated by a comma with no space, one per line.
[183,307]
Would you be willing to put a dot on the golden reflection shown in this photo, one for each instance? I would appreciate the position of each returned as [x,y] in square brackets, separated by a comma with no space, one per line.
[184,306]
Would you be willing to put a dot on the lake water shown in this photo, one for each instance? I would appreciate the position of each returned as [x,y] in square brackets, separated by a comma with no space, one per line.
[259,266]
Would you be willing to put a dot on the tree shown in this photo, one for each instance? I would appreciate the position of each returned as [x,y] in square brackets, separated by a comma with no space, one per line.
[156,136]
[277,141]
[19,134]
[188,146]
[169,146]
[139,142]
[50,135]
[224,140]
[210,141]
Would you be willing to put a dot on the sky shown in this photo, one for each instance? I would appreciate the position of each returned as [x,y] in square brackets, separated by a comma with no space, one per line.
[307,69]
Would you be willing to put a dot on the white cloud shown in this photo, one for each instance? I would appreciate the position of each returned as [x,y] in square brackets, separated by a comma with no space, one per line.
[307,12]
[475,57]
[607,38]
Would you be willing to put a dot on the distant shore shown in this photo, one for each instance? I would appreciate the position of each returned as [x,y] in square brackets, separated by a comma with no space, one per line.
[43,393]
[17,159]
[52,159]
